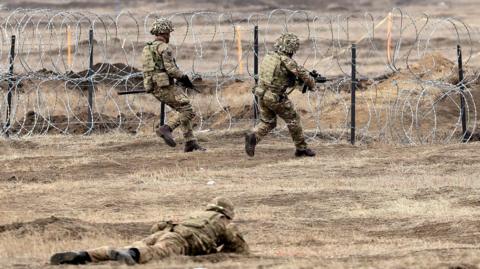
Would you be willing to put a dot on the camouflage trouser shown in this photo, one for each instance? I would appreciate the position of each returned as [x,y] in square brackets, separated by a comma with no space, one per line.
[178,101]
[155,247]
[272,105]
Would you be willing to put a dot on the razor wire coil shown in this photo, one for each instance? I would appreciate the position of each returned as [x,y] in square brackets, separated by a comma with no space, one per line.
[417,104]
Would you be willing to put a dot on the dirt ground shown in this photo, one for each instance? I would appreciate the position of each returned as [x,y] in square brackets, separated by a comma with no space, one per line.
[368,206]
[350,207]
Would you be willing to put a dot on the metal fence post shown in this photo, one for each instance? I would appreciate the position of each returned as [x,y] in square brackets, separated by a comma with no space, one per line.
[462,89]
[255,72]
[354,89]
[162,113]
[90,84]
[11,85]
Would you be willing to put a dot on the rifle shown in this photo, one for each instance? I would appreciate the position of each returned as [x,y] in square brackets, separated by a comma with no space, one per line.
[182,82]
[318,79]
[131,92]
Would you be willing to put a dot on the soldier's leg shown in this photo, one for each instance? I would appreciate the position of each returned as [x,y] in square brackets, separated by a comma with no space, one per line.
[130,254]
[82,257]
[169,244]
[287,112]
[99,254]
[181,103]
[163,94]
[70,257]
[268,121]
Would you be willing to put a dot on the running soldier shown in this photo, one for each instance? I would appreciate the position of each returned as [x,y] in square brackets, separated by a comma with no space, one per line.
[159,71]
[204,232]
[279,72]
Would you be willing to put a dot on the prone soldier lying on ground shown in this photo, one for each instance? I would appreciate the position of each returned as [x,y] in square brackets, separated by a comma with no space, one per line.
[205,232]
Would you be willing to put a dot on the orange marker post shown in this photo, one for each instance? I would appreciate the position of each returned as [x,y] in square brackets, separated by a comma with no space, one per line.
[69,47]
[239,50]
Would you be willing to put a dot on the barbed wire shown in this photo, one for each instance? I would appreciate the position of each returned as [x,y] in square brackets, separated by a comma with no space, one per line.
[408,92]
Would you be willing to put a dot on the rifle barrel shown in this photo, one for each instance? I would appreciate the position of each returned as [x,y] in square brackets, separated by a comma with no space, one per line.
[131,92]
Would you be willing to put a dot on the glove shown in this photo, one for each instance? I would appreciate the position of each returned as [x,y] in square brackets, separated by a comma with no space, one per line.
[186,82]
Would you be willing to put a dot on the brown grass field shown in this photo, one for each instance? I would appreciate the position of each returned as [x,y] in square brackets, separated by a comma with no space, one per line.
[350,207]
[373,205]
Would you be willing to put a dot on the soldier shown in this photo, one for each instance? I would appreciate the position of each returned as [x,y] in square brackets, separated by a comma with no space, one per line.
[159,71]
[278,72]
[201,233]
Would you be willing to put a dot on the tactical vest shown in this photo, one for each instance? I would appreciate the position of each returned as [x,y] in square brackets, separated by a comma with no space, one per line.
[151,55]
[274,75]
[153,66]
[201,231]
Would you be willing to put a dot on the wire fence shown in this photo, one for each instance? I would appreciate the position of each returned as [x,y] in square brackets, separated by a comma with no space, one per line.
[408,85]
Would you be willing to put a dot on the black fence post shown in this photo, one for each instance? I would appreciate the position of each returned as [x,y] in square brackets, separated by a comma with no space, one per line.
[255,72]
[162,113]
[462,90]
[90,84]
[11,85]
[354,89]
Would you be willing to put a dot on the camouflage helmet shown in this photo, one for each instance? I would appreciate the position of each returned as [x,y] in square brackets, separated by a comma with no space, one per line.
[222,205]
[287,43]
[161,26]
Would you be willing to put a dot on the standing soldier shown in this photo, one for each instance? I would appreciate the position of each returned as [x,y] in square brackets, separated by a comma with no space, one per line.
[159,71]
[278,72]
[204,232]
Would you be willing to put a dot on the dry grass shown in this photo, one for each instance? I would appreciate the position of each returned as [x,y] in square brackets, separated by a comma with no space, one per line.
[375,206]
[379,206]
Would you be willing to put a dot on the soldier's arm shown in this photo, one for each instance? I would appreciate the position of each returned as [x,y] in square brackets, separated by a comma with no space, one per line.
[162,226]
[234,241]
[299,71]
[170,64]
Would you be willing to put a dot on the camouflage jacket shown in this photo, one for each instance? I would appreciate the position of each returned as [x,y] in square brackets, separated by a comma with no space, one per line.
[278,72]
[158,57]
[159,66]
[207,232]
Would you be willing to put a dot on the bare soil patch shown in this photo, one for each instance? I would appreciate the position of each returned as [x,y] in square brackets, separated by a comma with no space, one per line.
[349,207]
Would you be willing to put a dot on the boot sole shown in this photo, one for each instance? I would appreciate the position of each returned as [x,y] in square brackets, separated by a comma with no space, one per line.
[303,155]
[250,150]
[169,141]
[62,258]
[195,150]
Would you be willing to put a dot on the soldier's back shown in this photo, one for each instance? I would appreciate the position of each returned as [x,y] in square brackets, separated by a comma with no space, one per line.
[203,231]
[273,72]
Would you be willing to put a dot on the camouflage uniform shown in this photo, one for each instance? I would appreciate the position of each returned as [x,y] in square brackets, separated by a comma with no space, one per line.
[160,70]
[278,72]
[204,232]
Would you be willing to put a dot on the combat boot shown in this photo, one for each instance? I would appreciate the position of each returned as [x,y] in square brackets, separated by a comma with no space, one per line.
[192,146]
[165,132]
[75,258]
[304,153]
[250,143]
[130,256]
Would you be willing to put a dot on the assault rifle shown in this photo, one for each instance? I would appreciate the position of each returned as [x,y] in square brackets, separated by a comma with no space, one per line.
[182,82]
[318,79]
[316,76]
